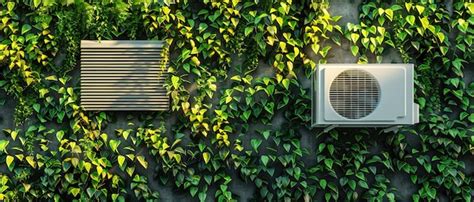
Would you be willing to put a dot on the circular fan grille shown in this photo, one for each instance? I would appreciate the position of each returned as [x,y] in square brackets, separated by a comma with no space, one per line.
[354,94]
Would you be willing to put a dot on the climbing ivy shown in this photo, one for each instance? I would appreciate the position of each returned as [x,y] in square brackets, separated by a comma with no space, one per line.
[240,102]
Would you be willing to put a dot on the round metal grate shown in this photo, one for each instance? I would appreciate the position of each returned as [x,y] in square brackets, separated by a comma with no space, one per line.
[354,94]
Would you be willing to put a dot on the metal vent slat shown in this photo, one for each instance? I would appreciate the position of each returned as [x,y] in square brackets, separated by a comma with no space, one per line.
[354,94]
[123,76]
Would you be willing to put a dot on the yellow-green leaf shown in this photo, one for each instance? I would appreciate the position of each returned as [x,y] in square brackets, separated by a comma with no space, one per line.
[175,81]
[87,166]
[206,156]
[424,22]
[31,161]
[70,91]
[389,14]
[286,83]
[441,36]
[354,37]
[51,78]
[121,160]
[195,61]
[142,161]
[408,6]
[74,191]
[14,134]
[9,160]
[420,9]
[10,6]
[114,145]
[3,145]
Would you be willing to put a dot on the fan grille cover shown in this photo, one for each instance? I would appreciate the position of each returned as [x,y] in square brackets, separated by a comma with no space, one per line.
[354,94]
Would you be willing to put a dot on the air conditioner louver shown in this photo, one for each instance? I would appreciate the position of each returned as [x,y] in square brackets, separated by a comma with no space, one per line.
[354,94]
[123,76]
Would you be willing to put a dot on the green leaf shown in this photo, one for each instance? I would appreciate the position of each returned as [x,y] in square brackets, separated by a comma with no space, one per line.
[363,184]
[202,27]
[246,115]
[431,193]
[391,196]
[328,163]
[454,82]
[471,118]
[70,91]
[352,184]
[264,159]
[323,183]
[255,144]
[463,25]
[59,135]
[410,19]
[206,156]
[422,102]
[248,30]
[354,50]
[444,50]
[266,134]
[25,28]
[36,107]
[36,3]
[208,179]
[202,196]
[325,51]
[193,190]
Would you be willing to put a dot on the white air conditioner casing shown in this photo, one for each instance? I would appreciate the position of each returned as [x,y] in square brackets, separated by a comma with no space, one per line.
[361,95]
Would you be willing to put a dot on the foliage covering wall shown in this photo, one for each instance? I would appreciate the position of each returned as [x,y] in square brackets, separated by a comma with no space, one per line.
[222,124]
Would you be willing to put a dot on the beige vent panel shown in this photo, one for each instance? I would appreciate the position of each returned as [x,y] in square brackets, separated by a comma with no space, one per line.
[123,76]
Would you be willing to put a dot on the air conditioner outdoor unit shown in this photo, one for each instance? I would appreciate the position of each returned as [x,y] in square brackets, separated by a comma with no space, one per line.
[356,95]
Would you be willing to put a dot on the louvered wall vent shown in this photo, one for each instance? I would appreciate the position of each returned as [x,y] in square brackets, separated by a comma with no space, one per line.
[123,76]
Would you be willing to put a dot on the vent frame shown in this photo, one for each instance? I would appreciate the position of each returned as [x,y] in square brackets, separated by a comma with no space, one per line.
[124,75]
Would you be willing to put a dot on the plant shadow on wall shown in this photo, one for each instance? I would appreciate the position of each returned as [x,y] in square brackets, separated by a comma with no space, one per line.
[221,132]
